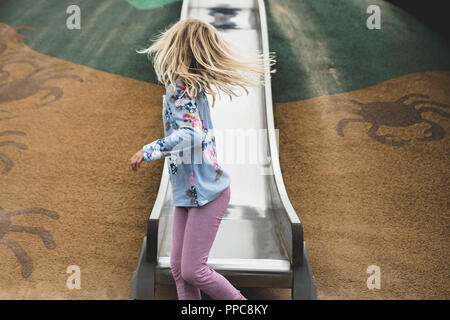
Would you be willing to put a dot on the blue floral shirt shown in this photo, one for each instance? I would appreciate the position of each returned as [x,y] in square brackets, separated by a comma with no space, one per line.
[190,148]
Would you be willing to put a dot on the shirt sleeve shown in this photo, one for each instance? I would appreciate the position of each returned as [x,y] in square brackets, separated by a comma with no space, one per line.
[187,127]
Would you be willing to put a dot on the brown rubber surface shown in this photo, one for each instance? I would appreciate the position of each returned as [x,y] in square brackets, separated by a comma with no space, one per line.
[362,201]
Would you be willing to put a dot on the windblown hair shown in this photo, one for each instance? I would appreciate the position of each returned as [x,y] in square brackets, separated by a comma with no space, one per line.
[194,51]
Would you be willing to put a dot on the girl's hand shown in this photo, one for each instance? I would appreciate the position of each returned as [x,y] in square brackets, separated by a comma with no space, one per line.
[136,160]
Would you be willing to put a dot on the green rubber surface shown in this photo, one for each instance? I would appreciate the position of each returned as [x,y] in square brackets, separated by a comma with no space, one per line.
[111,32]
[149,4]
[322,46]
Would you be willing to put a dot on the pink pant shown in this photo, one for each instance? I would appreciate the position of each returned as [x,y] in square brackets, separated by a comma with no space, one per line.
[194,231]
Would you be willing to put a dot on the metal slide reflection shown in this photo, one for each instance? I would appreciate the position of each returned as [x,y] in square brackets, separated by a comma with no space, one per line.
[260,240]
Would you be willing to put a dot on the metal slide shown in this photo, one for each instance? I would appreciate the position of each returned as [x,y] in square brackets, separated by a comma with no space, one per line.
[260,239]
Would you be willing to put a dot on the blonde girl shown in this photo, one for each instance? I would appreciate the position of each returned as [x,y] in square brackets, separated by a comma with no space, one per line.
[190,58]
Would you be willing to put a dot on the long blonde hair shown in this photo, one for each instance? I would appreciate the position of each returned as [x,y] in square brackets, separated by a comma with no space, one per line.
[193,51]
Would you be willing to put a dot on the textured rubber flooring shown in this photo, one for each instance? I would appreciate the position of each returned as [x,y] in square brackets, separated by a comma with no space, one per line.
[322,46]
[363,123]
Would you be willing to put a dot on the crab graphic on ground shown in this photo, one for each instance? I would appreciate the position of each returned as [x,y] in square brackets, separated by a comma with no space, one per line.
[34,82]
[7,162]
[397,113]
[6,227]
[13,51]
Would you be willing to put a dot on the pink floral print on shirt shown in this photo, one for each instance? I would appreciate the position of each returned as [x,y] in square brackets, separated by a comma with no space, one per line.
[213,160]
[193,118]
[192,192]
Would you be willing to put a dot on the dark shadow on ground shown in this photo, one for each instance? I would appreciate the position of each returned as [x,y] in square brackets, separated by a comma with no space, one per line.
[432,13]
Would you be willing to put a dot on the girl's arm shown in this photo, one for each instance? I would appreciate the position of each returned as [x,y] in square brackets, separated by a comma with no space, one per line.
[187,128]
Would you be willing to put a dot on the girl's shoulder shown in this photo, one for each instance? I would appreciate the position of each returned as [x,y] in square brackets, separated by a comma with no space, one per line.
[177,91]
